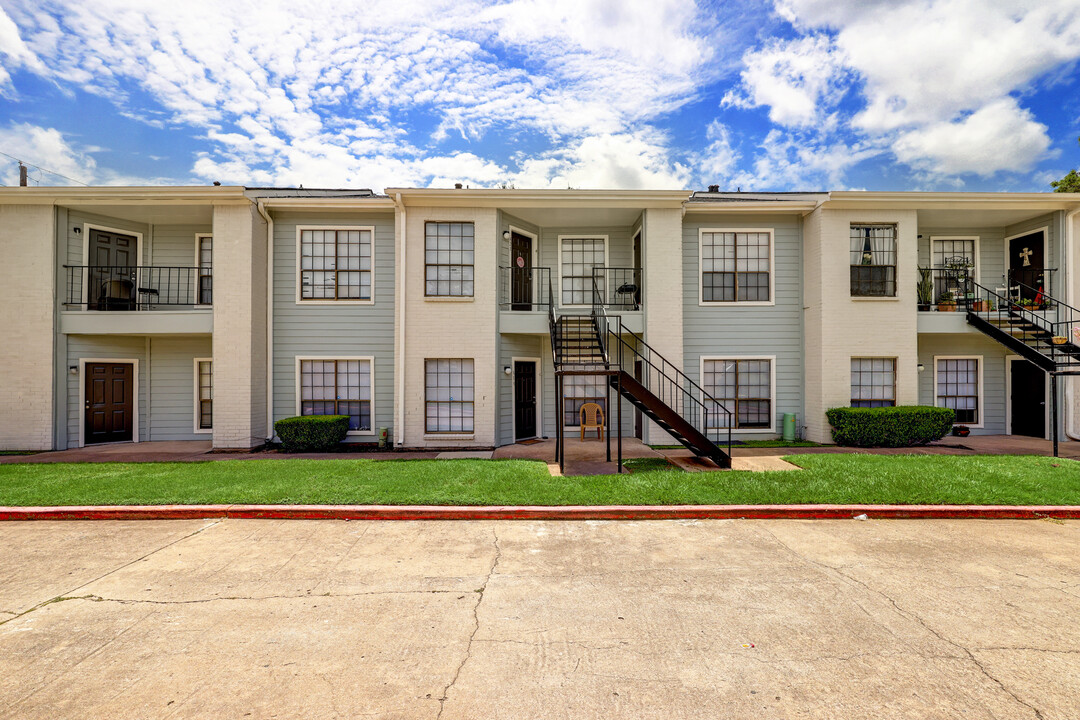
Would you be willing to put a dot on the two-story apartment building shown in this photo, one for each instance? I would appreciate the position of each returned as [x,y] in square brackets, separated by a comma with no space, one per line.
[478,318]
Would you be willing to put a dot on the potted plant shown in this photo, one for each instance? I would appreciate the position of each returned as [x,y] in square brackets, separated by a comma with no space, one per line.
[946,302]
[1059,339]
[961,430]
[925,288]
[980,305]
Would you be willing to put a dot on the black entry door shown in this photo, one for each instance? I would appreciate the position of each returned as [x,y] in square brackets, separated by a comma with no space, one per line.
[1028,398]
[111,277]
[520,272]
[1026,264]
[110,402]
[524,399]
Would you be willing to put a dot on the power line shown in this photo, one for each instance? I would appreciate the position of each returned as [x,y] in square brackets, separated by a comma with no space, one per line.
[51,172]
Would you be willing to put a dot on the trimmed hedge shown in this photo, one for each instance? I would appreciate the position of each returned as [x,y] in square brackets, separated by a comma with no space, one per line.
[902,426]
[312,433]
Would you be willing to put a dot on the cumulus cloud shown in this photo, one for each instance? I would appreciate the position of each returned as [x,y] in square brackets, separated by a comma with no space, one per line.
[622,160]
[50,149]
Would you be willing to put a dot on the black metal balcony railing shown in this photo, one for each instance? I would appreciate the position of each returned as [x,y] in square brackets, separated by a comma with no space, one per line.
[524,288]
[109,288]
[617,288]
[954,289]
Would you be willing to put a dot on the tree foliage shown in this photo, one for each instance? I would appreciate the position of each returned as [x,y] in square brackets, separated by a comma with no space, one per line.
[1070,183]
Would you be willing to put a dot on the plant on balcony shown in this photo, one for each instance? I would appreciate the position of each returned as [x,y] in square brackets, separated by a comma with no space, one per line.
[902,426]
[925,288]
[980,305]
[946,302]
[312,433]
[959,268]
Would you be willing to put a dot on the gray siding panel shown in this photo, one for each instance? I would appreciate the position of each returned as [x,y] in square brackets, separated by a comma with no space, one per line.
[172,387]
[734,331]
[105,347]
[993,358]
[328,330]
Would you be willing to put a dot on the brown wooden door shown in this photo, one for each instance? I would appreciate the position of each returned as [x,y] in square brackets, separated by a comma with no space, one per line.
[110,402]
[520,272]
[111,280]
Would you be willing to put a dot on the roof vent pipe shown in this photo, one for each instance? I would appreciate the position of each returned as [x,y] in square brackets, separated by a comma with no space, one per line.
[714,188]
[457,186]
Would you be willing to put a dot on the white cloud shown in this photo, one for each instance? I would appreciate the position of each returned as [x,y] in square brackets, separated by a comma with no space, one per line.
[13,52]
[793,78]
[47,148]
[720,159]
[801,161]
[621,160]
[1000,136]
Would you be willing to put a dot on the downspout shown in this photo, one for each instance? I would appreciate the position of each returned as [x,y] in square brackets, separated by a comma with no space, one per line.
[399,351]
[1071,431]
[259,205]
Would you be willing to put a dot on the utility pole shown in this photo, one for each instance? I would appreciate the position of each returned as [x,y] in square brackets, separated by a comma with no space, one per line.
[22,174]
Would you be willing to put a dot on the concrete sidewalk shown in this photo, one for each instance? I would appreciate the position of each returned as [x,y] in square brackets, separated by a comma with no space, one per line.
[676,619]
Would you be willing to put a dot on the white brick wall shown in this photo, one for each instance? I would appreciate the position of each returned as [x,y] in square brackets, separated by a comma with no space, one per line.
[28,239]
[662,282]
[451,328]
[839,327]
[239,343]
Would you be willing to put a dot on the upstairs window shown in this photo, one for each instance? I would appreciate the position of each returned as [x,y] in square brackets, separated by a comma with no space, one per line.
[873,261]
[873,382]
[204,255]
[578,257]
[448,259]
[736,266]
[335,264]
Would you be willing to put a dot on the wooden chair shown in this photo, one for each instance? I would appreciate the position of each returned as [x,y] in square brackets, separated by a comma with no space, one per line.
[591,417]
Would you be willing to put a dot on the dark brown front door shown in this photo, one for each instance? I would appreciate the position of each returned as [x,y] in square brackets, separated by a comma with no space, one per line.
[110,402]
[1028,399]
[111,278]
[1026,264]
[524,399]
[520,272]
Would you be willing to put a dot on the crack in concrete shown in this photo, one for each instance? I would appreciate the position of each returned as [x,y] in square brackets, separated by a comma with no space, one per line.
[128,601]
[68,596]
[476,626]
[910,615]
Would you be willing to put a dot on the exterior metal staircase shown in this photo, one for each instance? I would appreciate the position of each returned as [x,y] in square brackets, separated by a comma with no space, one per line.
[1028,327]
[599,345]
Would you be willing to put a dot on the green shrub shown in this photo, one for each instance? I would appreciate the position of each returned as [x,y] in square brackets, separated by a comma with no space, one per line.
[312,433]
[889,426]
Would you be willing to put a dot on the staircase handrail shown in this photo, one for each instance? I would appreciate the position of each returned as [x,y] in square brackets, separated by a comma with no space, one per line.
[1024,312]
[1051,300]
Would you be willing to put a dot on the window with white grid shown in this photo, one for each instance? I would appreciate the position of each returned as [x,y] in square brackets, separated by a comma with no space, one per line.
[579,256]
[873,260]
[205,245]
[581,389]
[735,266]
[204,378]
[335,264]
[946,249]
[337,387]
[448,259]
[448,395]
[744,387]
[957,382]
[873,382]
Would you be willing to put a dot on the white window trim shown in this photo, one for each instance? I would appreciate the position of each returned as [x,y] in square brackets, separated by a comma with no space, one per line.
[299,231]
[196,429]
[896,296]
[1009,360]
[896,372]
[298,386]
[453,434]
[539,397]
[87,227]
[198,267]
[982,407]
[1045,230]
[736,303]
[977,270]
[134,362]
[772,390]
[577,236]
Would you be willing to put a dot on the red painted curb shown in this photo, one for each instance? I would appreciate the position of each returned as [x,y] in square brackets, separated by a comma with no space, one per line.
[525,512]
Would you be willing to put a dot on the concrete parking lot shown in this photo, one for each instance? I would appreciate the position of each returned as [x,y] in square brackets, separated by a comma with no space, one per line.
[669,619]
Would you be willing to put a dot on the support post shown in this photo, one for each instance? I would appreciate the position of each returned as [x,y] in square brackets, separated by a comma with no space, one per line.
[1054,411]
[607,414]
[619,420]
[558,420]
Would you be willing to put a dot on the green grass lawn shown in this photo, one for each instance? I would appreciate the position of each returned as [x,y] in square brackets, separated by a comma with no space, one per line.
[839,478]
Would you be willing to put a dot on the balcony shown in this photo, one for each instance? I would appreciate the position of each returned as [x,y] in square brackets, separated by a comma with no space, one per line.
[525,295]
[102,299]
[948,289]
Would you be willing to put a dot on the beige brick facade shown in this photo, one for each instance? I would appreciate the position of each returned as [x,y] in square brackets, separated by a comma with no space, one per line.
[28,239]
[662,263]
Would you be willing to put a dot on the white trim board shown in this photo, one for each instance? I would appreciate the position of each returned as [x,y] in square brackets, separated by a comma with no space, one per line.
[737,303]
[134,362]
[298,255]
[577,236]
[772,389]
[1009,359]
[297,386]
[539,400]
[981,388]
[196,408]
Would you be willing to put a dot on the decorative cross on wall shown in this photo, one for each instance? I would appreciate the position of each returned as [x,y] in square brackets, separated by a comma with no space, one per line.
[1026,254]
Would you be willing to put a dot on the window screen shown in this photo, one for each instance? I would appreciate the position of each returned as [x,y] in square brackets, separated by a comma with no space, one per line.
[735,266]
[337,387]
[742,386]
[958,388]
[448,259]
[873,382]
[335,264]
[448,394]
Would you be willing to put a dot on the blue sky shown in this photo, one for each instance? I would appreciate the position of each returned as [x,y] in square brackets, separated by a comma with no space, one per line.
[780,95]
